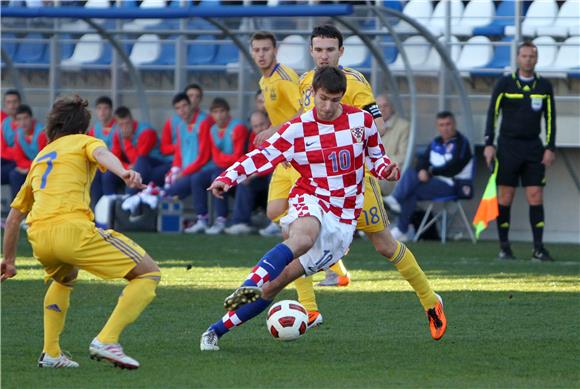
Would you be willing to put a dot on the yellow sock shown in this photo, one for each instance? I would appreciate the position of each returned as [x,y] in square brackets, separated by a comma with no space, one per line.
[339,268]
[133,300]
[56,302]
[305,288]
[405,262]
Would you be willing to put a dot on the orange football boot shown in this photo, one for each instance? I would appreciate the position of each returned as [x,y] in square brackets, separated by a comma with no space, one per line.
[437,319]
[314,319]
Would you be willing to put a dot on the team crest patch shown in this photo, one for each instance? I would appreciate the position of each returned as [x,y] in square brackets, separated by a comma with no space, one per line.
[358,133]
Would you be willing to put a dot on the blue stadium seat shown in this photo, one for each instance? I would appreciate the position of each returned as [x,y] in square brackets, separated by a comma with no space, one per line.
[167,55]
[31,50]
[129,4]
[9,44]
[500,60]
[392,4]
[504,16]
[226,53]
[67,46]
[389,52]
[200,24]
[203,53]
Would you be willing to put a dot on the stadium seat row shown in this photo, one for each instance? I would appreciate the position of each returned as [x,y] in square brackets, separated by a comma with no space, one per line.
[477,56]
[480,17]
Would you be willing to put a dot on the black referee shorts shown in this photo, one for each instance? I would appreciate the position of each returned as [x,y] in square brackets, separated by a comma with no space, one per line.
[520,158]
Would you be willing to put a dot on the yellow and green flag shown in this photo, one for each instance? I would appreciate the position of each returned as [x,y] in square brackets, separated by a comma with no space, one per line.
[488,207]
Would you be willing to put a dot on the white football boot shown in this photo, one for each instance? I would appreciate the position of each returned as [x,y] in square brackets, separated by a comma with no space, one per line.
[62,360]
[209,341]
[112,352]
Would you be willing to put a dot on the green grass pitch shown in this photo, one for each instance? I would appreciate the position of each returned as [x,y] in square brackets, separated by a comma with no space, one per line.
[511,325]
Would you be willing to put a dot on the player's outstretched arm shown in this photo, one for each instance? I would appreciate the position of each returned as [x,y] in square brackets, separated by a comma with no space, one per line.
[11,235]
[109,161]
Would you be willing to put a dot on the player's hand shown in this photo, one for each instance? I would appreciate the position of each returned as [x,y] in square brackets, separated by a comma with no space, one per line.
[21,170]
[218,188]
[489,154]
[392,172]
[262,136]
[7,270]
[423,175]
[549,158]
[133,179]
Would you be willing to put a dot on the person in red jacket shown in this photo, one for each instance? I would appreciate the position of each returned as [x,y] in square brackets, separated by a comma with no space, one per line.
[249,191]
[104,128]
[29,140]
[185,111]
[8,132]
[192,149]
[138,145]
[227,139]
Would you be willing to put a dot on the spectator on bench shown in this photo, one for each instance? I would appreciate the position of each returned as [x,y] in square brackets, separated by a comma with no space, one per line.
[30,139]
[395,137]
[227,138]
[192,151]
[8,132]
[248,191]
[105,128]
[443,170]
[138,145]
[185,111]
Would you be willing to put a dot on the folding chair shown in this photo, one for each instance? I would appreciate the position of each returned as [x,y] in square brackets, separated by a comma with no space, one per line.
[449,206]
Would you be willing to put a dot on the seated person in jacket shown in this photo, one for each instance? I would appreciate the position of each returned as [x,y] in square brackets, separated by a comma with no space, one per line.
[8,129]
[249,190]
[30,139]
[104,128]
[192,151]
[139,147]
[228,139]
[186,111]
[445,169]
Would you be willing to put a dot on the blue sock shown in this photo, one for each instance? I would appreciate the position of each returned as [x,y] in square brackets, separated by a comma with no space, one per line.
[267,269]
[271,265]
[240,316]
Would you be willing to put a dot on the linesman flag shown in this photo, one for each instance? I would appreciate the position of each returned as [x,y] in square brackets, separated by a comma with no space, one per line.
[488,207]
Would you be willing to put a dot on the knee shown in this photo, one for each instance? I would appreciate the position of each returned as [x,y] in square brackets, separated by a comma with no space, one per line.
[302,243]
[387,248]
[384,243]
[535,197]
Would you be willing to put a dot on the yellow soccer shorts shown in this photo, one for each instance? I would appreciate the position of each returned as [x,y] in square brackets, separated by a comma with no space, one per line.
[373,217]
[80,244]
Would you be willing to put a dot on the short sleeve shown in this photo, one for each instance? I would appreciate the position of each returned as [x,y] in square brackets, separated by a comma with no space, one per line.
[24,199]
[90,146]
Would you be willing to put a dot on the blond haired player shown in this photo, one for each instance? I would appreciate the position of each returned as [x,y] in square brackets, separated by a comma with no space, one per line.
[55,201]
[326,48]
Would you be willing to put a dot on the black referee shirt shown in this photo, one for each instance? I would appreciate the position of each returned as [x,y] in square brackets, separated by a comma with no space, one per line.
[521,105]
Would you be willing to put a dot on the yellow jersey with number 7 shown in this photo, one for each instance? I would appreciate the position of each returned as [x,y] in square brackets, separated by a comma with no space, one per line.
[59,181]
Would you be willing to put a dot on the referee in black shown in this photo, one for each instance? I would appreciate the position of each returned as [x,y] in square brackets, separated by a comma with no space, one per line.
[522,98]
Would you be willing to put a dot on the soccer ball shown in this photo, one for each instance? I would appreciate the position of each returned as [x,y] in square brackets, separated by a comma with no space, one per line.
[287,320]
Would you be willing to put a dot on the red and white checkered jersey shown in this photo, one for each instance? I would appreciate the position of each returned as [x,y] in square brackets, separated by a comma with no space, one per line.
[330,157]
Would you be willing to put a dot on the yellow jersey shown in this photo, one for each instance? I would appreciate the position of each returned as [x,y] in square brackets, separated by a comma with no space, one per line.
[281,94]
[59,181]
[358,91]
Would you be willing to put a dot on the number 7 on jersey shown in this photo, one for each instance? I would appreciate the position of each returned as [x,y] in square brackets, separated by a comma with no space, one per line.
[48,158]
